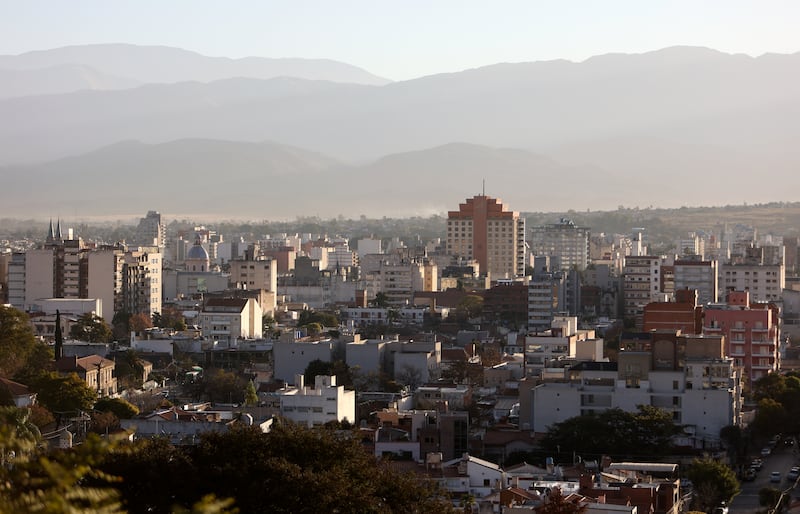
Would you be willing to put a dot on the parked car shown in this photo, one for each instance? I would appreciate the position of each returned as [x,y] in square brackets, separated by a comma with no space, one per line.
[793,473]
[757,464]
[765,452]
[722,509]
[775,477]
[749,475]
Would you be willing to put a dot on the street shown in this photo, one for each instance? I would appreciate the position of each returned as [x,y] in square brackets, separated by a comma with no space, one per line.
[781,460]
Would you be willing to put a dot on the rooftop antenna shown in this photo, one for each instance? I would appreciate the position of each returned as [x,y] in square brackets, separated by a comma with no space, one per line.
[484,187]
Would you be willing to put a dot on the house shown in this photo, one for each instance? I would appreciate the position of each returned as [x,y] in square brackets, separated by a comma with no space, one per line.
[20,394]
[96,371]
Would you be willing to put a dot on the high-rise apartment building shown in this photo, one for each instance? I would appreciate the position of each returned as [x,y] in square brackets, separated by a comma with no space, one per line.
[641,284]
[482,229]
[702,276]
[564,240]
[151,231]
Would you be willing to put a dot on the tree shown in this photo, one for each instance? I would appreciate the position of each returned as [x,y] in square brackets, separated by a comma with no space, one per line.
[122,409]
[91,328]
[140,322]
[68,393]
[17,342]
[381,300]
[410,376]
[769,497]
[646,432]
[224,386]
[714,481]
[250,395]
[323,319]
[18,434]
[169,317]
[120,323]
[471,306]
[770,417]
[62,482]
[130,369]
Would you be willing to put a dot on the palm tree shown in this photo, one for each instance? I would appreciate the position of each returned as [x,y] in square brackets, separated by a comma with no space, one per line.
[18,435]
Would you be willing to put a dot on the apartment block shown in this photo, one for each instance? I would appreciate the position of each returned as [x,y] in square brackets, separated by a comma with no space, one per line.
[484,230]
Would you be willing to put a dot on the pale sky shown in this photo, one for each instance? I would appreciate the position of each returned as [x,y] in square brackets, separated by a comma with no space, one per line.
[404,39]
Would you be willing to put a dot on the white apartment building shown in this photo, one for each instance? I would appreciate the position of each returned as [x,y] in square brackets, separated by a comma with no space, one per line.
[702,276]
[641,283]
[318,405]
[764,282]
[293,357]
[703,394]
[564,241]
[229,320]
[563,342]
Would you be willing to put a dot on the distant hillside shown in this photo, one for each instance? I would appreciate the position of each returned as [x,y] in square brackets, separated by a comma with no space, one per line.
[59,79]
[191,177]
[163,64]
[273,181]
[664,226]
[678,126]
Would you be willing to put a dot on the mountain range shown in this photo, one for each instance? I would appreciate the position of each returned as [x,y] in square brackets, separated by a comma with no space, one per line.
[678,126]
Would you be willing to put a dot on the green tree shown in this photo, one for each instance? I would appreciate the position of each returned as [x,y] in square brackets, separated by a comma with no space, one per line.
[91,328]
[62,482]
[224,386]
[381,300]
[324,319]
[769,497]
[250,395]
[169,317]
[60,393]
[17,342]
[770,417]
[130,369]
[646,432]
[471,306]
[18,434]
[715,482]
[122,409]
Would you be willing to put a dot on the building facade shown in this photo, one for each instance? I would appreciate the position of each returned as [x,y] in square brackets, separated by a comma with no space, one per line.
[564,241]
[484,230]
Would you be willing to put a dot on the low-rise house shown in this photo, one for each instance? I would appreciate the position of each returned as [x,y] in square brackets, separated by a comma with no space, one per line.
[96,371]
[19,393]
[183,425]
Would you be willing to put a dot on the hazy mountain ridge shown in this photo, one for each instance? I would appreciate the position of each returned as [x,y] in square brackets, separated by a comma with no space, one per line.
[221,178]
[679,126]
[163,64]
[59,79]
[538,106]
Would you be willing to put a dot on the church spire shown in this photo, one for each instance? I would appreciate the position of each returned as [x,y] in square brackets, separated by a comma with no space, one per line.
[50,232]
[59,237]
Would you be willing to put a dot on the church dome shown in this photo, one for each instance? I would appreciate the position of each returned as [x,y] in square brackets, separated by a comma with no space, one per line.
[198,253]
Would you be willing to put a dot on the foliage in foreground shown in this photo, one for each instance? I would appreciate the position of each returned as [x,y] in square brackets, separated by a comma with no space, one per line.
[290,469]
